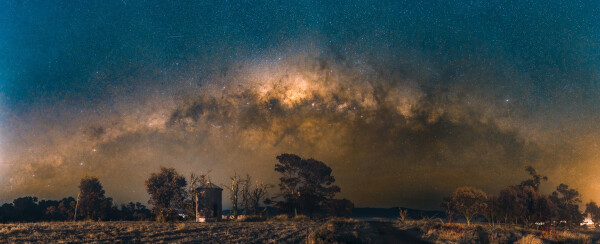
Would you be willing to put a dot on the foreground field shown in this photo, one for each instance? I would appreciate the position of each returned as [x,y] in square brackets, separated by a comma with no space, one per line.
[274,231]
[127,232]
[287,231]
[437,232]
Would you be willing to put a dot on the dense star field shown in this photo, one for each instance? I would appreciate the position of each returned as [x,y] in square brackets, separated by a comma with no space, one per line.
[404,100]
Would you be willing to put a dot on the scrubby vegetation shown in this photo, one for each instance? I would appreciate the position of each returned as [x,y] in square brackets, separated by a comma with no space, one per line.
[439,232]
[521,204]
[285,229]
[29,209]
[307,213]
[339,230]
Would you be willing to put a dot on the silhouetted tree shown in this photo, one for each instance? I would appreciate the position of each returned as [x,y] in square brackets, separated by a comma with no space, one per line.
[340,207]
[492,211]
[593,211]
[92,202]
[567,201]
[51,214]
[306,184]
[536,207]
[469,202]
[260,191]
[44,205]
[167,192]
[523,203]
[536,179]
[25,209]
[545,209]
[510,204]
[245,192]
[66,208]
[29,209]
[7,213]
[448,207]
[288,166]
[134,212]
[141,212]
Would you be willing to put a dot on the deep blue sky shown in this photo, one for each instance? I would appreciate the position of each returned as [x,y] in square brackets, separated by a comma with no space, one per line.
[52,48]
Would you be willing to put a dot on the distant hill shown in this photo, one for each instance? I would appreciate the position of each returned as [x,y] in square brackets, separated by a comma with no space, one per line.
[388,213]
[393,213]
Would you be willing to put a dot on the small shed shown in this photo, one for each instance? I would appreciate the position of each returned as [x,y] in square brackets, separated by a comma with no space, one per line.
[209,203]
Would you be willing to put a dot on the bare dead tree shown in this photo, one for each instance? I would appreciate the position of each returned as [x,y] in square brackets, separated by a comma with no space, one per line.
[246,194]
[259,192]
[235,192]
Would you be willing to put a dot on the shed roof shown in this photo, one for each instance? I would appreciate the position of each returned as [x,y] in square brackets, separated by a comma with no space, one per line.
[210,185]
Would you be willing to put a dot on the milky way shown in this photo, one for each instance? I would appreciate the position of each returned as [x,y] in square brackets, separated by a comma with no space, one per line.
[404,101]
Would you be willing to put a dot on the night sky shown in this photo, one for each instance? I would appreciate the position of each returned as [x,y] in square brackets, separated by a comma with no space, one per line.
[405,100]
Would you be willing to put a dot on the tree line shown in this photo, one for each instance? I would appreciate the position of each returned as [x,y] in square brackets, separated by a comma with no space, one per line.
[91,204]
[522,204]
[306,187]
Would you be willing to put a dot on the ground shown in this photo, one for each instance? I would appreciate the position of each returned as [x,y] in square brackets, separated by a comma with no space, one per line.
[438,232]
[285,231]
[152,232]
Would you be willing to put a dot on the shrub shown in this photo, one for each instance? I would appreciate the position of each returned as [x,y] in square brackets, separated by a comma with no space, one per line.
[529,239]
[343,231]
[281,217]
[250,218]
[300,218]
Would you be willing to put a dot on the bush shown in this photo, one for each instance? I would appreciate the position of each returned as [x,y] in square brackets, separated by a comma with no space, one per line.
[341,230]
[300,218]
[529,239]
[571,237]
[250,218]
[281,217]
[166,215]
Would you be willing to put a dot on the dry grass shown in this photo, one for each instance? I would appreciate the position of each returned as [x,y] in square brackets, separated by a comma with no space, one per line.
[570,237]
[283,230]
[529,239]
[281,217]
[284,217]
[152,232]
[343,230]
[301,218]
[437,232]
[14,229]
[180,226]
[250,218]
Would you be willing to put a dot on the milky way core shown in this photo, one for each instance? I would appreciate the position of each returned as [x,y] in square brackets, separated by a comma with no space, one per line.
[405,101]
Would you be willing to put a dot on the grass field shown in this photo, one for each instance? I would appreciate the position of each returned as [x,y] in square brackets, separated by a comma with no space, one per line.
[438,232]
[127,232]
[284,231]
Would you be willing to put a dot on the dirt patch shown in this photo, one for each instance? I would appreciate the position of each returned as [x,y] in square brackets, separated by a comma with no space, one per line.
[390,234]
